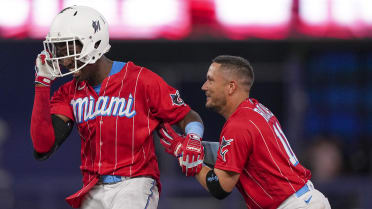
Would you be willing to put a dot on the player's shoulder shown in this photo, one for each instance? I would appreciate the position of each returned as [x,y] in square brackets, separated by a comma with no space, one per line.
[238,120]
[253,108]
[244,110]
[146,73]
[250,110]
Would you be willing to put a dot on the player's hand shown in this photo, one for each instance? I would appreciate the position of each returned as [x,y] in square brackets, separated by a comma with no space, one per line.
[189,150]
[43,70]
[170,140]
[192,155]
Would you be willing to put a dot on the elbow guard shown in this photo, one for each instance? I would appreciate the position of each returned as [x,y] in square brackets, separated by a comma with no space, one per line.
[214,186]
[61,131]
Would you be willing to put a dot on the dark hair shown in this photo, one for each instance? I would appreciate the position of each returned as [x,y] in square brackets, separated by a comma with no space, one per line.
[237,65]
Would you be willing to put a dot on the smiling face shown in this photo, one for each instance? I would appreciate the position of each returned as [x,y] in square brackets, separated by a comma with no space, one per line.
[215,88]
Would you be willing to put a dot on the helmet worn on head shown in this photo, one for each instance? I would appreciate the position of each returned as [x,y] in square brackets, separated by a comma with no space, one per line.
[77,25]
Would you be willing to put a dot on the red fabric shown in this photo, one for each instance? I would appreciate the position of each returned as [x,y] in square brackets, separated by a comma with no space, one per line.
[43,80]
[252,146]
[76,199]
[117,139]
[42,132]
[192,152]
[170,140]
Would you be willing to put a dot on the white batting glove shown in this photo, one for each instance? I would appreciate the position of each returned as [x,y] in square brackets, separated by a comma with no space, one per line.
[43,71]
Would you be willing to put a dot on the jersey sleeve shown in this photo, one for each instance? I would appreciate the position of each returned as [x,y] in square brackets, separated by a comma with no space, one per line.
[235,148]
[60,102]
[165,101]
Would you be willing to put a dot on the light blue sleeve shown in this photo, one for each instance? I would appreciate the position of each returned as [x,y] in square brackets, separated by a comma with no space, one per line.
[195,128]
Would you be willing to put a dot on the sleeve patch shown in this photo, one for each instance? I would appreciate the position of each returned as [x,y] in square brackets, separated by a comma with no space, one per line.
[223,147]
[176,99]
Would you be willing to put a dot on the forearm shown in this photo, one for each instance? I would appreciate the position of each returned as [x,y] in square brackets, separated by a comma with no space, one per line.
[218,183]
[190,117]
[201,176]
[42,132]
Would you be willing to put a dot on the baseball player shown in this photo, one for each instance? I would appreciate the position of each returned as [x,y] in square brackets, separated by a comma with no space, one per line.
[254,154]
[115,105]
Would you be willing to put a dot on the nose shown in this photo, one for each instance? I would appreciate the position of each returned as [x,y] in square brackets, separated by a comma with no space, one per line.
[204,86]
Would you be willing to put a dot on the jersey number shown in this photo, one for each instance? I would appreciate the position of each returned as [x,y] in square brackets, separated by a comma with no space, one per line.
[283,139]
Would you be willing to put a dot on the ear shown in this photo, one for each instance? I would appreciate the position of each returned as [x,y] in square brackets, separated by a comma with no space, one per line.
[232,86]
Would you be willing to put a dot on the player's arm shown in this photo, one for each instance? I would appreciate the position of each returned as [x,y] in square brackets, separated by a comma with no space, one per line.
[48,131]
[191,118]
[188,149]
[219,183]
[62,127]
[210,153]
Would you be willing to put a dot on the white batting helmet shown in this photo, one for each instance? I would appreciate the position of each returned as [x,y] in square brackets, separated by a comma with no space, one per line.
[77,23]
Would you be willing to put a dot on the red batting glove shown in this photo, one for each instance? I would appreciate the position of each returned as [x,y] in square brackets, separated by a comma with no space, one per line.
[170,140]
[192,155]
[188,149]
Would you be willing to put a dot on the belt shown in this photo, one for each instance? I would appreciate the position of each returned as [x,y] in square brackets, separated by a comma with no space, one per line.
[302,191]
[110,179]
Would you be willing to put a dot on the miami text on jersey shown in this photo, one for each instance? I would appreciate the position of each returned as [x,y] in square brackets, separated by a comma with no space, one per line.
[87,108]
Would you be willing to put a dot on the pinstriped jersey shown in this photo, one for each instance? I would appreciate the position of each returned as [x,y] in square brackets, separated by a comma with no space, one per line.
[116,125]
[253,144]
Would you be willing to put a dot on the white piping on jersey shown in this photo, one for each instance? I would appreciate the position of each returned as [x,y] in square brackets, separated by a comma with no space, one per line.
[280,134]
[280,147]
[258,183]
[100,130]
[252,199]
[90,144]
[272,158]
[134,106]
[148,128]
[81,136]
[116,123]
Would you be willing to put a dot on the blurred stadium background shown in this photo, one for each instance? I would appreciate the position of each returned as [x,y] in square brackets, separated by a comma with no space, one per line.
[313,65]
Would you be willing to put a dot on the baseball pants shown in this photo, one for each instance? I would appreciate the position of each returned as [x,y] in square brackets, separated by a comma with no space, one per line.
[312,199]
[130,193]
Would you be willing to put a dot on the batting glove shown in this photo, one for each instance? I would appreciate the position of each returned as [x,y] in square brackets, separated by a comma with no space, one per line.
[170,140]
[189,150]
[43,71]
[192,155]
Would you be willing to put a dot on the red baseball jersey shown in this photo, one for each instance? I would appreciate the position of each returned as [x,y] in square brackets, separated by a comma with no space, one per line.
[253,144]
[116,125]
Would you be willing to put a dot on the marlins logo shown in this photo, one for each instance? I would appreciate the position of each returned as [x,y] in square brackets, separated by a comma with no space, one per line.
[96,26]
[223,145]
[176,99]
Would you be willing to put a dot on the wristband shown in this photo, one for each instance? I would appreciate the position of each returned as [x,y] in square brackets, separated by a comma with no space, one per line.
[195,127]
